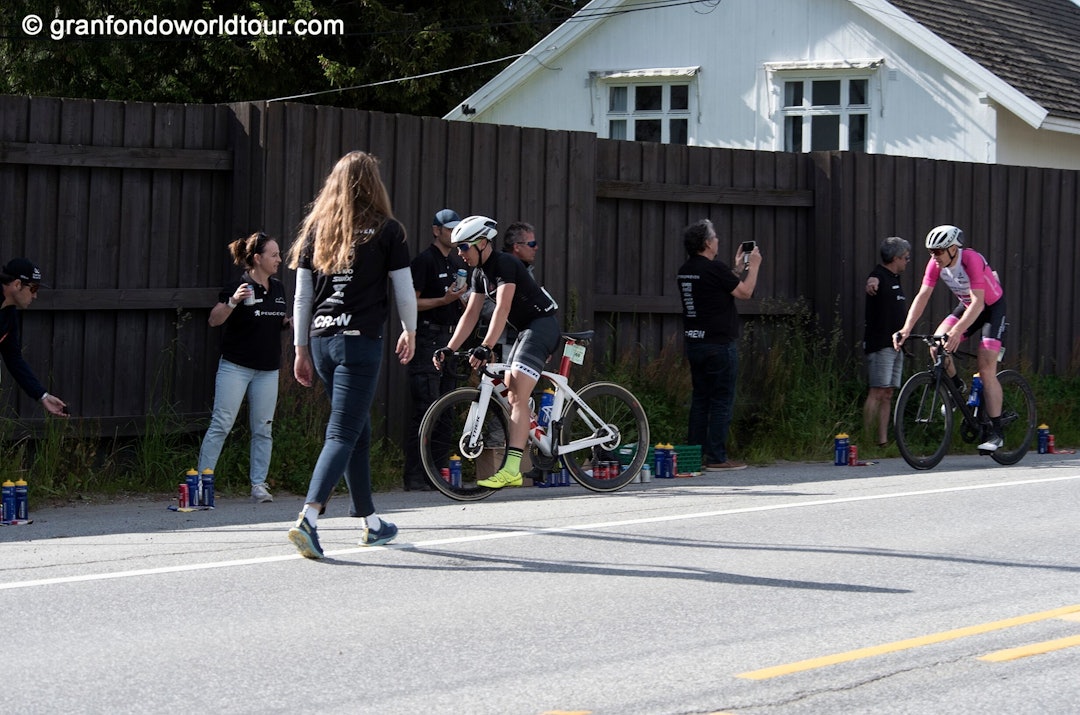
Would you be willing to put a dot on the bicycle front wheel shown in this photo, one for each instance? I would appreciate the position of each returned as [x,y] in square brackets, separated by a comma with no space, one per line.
[445,431]
[618,416]
[923,421]
[1018,417]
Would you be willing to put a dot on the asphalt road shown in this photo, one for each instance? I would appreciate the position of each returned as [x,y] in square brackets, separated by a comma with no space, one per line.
[794,588]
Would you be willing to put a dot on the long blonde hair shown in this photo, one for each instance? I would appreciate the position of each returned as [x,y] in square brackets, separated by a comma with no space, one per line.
[350,209]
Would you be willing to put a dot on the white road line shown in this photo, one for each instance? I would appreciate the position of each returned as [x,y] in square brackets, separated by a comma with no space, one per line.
[519,533]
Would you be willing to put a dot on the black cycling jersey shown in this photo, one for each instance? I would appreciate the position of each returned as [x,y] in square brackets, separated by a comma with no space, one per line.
[530,300]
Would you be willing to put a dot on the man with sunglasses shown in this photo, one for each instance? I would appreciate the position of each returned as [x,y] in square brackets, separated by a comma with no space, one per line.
[21,280]
[439,304]
[981,309]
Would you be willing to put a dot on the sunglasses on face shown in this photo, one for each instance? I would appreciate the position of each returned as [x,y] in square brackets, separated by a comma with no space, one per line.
[530,244]
[937,251]
[464,247]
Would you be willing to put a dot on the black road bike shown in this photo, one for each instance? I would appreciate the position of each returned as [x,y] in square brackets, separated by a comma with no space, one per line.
[930,404]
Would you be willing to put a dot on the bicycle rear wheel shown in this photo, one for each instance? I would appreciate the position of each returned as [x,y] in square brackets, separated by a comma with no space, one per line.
[923,421]
[1018,417]
[443,432]
[624,420]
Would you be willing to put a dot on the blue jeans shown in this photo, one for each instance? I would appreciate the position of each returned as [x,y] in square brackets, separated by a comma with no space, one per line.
[713,370]
[348,366]
[261,387]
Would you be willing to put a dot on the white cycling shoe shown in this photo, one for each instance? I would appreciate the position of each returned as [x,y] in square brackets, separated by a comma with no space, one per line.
[993,444]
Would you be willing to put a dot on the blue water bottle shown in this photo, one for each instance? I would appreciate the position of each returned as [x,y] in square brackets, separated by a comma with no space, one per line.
[208,488]
[659,460]
[8,495]
[976,391]
[1044,439]
[546,401]
[455,471]
[22,500]
[192,480]
[841,445]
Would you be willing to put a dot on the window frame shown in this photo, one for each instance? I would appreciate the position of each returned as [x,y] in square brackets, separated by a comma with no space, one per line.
[631,80]
[808,73]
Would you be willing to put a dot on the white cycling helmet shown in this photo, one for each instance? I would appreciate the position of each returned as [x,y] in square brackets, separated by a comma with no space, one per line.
[944,236]
[472,229]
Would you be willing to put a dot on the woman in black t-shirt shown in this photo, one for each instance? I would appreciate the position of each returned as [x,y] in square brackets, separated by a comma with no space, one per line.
[253,312]
[348,246]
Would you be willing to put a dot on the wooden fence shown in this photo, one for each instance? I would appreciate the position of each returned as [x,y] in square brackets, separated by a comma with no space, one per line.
[128,207]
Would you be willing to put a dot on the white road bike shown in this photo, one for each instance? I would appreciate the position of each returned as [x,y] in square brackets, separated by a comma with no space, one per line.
[586,430]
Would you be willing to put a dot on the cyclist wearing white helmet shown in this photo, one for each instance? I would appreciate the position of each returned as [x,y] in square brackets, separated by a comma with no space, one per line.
[981,309]
[520,303]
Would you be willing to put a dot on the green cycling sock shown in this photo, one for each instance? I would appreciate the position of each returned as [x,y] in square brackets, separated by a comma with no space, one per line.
[513,460]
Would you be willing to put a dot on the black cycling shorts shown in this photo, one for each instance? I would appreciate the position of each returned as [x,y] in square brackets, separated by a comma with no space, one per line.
[534,345]
[990,324]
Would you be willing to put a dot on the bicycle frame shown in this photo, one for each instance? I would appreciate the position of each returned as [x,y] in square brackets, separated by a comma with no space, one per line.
[544,438]
[974,418]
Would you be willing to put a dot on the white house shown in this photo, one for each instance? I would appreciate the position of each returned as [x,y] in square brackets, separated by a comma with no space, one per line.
[994,81]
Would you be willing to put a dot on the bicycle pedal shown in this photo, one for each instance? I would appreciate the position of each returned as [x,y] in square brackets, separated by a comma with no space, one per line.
[985,452]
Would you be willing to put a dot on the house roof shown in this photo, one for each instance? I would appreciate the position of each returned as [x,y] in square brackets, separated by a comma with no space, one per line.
[1024,53]
[1034,45]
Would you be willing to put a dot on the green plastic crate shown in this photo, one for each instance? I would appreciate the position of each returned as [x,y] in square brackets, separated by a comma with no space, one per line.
[689,456]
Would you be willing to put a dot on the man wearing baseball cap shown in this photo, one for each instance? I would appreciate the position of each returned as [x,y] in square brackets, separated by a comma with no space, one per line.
[21,279]
[439,302]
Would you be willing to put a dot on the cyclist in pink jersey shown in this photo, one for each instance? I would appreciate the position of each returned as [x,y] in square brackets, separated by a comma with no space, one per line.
[981,309]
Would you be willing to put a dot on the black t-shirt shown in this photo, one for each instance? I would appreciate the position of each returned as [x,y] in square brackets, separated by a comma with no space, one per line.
[355,300]
[251,335]
[885,312]
[709,314]
[11,350]
[530,300]
[432,274]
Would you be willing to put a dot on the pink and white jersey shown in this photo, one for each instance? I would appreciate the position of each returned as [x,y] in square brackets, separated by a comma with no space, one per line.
[971,272]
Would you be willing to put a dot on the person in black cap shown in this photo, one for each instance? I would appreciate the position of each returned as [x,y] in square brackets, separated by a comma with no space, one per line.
[21,280]
[439,303]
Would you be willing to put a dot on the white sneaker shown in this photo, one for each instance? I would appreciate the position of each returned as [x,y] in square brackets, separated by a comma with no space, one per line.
[261,494]
[992,444]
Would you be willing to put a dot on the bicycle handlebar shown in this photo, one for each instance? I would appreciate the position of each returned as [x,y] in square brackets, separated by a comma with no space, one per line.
[932,340]
[451,364]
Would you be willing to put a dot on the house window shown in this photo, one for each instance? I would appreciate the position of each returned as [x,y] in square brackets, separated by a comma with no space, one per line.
[647,106]
[825,113]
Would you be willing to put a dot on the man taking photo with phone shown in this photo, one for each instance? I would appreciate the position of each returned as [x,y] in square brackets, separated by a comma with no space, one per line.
[711,328]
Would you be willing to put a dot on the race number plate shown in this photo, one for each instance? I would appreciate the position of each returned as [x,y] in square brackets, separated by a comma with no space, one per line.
[576,353]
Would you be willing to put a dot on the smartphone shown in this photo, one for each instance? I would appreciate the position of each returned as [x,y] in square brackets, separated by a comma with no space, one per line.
[748,246]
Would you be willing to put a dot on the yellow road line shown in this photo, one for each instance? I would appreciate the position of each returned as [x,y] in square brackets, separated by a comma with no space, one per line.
[813,663]
[1033,649]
